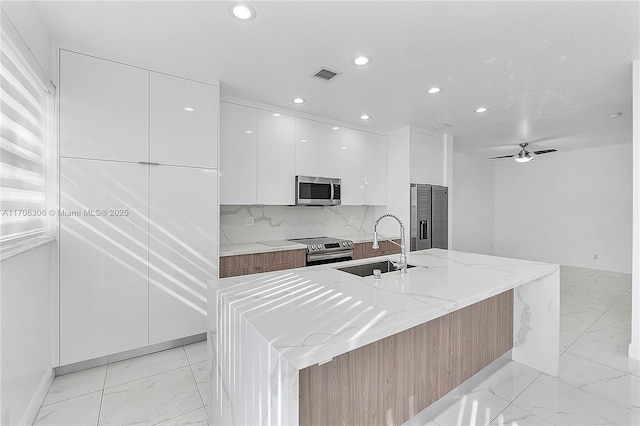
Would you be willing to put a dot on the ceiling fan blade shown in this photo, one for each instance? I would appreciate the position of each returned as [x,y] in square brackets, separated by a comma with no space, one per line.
[544,151]
[503,156]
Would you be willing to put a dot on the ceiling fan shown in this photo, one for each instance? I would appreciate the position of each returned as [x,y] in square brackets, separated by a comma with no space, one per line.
[525,155]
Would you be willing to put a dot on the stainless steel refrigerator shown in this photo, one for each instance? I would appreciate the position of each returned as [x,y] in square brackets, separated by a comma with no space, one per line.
[429,217]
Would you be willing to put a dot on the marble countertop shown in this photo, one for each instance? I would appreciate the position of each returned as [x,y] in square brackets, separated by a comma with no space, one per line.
[312,314]
[280,245]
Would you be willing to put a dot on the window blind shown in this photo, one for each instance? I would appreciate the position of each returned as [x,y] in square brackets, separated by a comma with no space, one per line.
[24,102]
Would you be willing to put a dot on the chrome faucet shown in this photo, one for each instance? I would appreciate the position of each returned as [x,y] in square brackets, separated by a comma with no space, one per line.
[402,265]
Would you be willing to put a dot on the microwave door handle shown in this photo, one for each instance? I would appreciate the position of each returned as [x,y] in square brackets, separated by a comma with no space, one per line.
[332,195]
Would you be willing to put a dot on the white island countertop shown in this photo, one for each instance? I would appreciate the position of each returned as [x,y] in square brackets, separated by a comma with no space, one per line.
[309,315]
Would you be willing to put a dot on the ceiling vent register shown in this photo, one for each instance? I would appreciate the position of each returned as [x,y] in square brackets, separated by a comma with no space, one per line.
[325,74]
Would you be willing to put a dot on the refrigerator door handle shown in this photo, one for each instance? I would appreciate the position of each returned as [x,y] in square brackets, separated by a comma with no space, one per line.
[424,229]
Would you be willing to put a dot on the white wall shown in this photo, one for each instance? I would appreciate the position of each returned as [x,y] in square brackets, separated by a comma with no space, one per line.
[634,347]
[566,207]
[28,281]
[473,204]
[26,329]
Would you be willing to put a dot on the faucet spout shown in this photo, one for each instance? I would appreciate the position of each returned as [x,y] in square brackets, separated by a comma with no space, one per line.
[402,265]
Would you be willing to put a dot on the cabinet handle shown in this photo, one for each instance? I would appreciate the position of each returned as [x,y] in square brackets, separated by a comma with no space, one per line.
[148,163]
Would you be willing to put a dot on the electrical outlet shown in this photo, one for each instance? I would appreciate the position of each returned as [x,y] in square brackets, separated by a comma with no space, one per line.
[353,219]
[595,256]
[248,221]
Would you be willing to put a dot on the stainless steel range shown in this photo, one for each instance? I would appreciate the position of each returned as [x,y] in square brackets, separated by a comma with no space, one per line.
[321,250]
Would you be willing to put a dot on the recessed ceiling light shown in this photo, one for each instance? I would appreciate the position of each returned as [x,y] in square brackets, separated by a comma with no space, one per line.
[243,12]
[303,140]
[365,117]
[434,90]
[336,128]
[248,131]
[189,109]
[482,109]
[299,100]
[615,115]
[361,60]
[275,114]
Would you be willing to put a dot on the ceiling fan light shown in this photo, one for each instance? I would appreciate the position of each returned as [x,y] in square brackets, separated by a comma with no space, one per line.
[524,156]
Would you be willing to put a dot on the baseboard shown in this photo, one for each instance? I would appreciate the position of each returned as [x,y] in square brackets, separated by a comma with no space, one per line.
[634,352]
[146,350]
[31,412]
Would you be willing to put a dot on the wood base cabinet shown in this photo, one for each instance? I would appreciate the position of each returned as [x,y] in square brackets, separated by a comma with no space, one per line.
[366,250]
[246,264]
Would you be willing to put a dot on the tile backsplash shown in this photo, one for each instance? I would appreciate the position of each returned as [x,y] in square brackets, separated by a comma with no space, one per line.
[282,222]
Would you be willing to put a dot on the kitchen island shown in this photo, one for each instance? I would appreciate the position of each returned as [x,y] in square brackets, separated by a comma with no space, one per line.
[291,344]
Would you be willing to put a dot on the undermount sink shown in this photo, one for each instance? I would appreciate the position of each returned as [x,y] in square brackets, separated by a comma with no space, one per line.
[367,269]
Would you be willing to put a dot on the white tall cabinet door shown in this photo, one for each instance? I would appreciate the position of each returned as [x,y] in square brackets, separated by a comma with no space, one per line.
[306,147]
[328,150]
[427,159]
[276,158]
[103,258]
[183,249]
[104,109]
[238,154]
[183,122]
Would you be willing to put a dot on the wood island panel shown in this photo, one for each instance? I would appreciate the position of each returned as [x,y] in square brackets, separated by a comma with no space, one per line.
[246,264]
[393,379]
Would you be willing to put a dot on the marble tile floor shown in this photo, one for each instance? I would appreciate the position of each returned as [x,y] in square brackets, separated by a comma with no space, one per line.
[164,388]
[598,384]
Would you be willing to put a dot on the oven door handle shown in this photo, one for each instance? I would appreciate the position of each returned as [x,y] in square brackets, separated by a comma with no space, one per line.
[327,256]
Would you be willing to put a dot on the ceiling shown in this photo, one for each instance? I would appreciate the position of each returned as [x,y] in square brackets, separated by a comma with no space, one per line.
[549,72]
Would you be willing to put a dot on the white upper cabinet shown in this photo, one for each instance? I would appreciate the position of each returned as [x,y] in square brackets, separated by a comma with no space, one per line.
[183,122]
[183,249]
[375,176]
[328,150]
[106,109]
[276,158]
[238,154]
[306,147]
[363,167]
[317,148]
[427,159]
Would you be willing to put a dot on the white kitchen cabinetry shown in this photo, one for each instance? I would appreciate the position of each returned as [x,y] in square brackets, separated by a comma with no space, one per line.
[183,123]
[135,273]
[363,167]
[103,258]
[183,241]
[104,109]
[276,158]
[306,147]
[427,159]
[328,150]
[238,154]
[317,148]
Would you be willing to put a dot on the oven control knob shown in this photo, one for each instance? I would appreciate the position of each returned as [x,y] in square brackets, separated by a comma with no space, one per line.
[344,244]
[350,243]
[313,247]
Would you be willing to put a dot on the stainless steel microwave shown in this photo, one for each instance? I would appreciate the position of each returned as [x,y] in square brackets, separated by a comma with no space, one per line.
[317,191]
